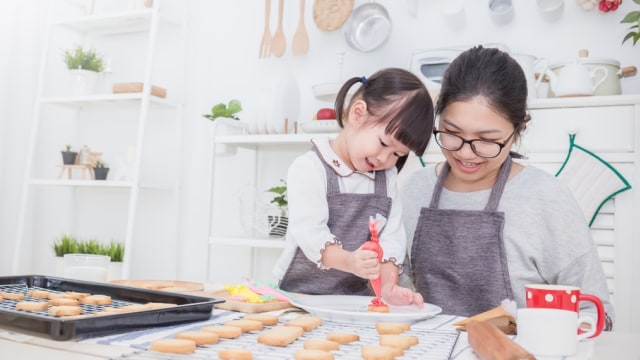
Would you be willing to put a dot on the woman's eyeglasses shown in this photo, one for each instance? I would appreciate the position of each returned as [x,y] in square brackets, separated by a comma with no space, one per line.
[482,148]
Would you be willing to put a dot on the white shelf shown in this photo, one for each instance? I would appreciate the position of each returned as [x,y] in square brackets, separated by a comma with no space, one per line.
[248,242]
[82,183]
[111,24]
[107,100]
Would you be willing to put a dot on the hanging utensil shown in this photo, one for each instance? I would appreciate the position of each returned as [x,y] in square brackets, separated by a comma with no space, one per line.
[300,38]
[329,15]
[265,44]
[368,27]
[278,41]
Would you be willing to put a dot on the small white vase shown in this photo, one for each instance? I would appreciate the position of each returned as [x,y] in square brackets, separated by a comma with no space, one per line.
[83,82]
[115,271]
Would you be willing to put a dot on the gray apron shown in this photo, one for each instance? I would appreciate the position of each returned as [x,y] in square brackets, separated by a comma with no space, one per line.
[349,222]
[457,257]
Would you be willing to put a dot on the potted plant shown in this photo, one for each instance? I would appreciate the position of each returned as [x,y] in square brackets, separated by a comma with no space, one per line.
[225,110]
[65,244]
[85,65]
[278,223]
[100,170]
[68,155]
[115,250]
[633,18]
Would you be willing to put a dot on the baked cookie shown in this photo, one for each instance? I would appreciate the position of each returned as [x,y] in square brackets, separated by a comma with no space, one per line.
[280,335]
[246,325]
[313,354]
[398,341]
[235,354]
[12,296]
[65,310]
[306,322]
[373,352]
[200,337]
[63,301]
[96,300]
[157,305]
[39,294]
[224,331]
[343,338]
[321,344]
[266,320]
[378,308]
[392,327]
[173,346]
[32,305]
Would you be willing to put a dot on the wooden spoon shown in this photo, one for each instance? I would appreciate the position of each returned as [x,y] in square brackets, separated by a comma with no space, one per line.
[278,41]
[300,38]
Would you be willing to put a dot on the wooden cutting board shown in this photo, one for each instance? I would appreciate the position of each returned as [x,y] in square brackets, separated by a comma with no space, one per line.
[242,306]
[162,285]
[329,15]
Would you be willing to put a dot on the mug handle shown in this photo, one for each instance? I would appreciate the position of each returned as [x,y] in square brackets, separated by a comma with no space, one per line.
[584,334]
[600,310]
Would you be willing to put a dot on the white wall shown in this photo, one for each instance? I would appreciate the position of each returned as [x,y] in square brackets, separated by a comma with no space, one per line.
[223,42]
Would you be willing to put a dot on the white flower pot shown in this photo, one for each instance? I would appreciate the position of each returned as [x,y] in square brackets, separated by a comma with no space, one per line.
[83,82]
[115,271]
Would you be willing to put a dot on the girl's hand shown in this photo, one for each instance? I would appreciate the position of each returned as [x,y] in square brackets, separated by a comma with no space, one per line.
[364,263]
[397,295]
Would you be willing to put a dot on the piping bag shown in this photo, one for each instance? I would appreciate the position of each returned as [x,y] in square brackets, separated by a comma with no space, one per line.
[374,245]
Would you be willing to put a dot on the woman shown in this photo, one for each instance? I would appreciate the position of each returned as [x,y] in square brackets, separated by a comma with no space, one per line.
[484,226]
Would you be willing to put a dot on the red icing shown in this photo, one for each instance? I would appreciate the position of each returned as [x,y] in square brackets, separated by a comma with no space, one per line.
[377,302]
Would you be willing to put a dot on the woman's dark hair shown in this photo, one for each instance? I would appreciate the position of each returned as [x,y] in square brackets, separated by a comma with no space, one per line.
[491,74]
[397,97]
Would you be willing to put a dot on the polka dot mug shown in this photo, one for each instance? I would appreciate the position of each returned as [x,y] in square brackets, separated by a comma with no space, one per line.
[563,297]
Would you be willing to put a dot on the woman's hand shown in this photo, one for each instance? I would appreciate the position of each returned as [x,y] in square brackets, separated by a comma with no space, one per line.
[364,263]
[397,295]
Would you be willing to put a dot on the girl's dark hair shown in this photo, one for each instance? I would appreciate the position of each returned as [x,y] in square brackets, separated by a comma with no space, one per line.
[397,97]
[491,74]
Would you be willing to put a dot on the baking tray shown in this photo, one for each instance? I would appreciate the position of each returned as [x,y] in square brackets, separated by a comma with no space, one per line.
[189,308]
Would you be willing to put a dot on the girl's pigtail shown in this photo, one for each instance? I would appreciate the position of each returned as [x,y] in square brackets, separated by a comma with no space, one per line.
[342,96]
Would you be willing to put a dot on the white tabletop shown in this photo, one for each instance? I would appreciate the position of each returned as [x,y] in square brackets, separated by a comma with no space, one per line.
[609,345]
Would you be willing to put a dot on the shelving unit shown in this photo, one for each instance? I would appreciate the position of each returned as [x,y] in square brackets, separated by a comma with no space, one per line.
[138,134]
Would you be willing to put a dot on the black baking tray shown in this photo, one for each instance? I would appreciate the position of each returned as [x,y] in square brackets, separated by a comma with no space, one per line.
[189,308]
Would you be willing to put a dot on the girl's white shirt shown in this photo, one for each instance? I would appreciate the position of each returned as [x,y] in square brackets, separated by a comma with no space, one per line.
[309,213]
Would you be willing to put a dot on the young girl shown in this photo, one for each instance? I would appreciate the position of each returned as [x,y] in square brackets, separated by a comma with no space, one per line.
[336,187]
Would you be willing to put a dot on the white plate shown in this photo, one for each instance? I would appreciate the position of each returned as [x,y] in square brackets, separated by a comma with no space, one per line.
[353,309]
[320,126]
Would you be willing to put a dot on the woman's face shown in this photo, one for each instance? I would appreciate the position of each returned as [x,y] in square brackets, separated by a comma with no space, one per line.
[471,120]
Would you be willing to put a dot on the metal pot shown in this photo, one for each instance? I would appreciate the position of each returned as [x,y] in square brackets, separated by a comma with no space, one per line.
[611,84]
[368,27]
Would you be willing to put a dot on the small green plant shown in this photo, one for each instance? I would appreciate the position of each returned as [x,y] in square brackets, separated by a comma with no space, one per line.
[222,110]
[90,246]
[634,30]
[80,58]
[101,164]
[115,250]
[65,244]
[67,148]
[281,195]
[68,244]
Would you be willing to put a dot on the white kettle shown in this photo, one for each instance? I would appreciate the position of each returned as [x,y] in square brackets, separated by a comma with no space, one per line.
[575,79]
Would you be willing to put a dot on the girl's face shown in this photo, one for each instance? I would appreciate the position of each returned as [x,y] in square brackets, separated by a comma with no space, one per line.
[368,148]
[471,120]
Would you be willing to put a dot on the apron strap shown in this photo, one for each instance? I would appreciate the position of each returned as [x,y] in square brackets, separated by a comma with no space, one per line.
[498,187]
[435,198]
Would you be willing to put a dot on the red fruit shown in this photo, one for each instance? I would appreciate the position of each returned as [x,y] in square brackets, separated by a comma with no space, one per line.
[326,114]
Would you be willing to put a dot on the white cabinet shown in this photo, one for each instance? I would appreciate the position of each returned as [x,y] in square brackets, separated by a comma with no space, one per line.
[137,133]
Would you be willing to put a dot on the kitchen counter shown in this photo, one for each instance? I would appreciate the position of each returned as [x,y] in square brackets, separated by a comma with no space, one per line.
[610,345]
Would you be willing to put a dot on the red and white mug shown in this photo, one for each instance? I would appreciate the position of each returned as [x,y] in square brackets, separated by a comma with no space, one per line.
[563,297]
